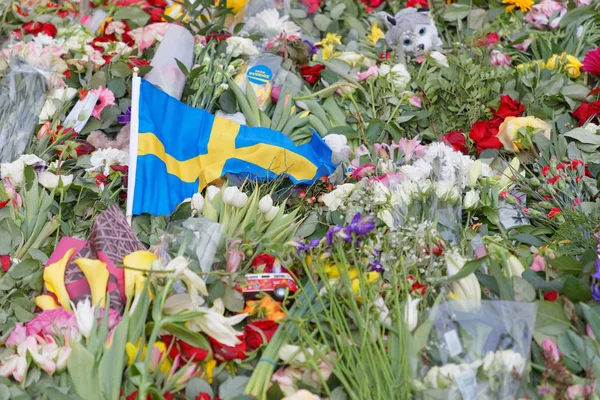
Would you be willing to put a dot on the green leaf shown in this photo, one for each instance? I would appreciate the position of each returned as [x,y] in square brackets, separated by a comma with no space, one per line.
[455,12]
[233,387]
[540,283]
[504,285]
[467,269]
[593,318]
[120,70]
[113,361]
[182,67]
[551,319]
[133,14]
[99,79]
[337,11]
[321,22]
[577,16]
[308,226]
[575,92]
[25,268]
[233,299]
[374,131]
[576,290]
[523,290]
[191,338]
[118,87]
[81,368]
[528,239]
[567,265]
[195,386]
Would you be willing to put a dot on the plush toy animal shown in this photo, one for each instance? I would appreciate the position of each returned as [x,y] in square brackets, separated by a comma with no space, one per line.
[411,29]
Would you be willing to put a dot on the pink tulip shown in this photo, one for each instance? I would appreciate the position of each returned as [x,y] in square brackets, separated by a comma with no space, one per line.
[234,256]
[498,58]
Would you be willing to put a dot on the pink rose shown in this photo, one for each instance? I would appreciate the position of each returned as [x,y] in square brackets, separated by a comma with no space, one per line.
[498,58]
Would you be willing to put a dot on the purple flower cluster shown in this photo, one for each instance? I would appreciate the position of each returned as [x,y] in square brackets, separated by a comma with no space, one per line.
[595,287]
[359,226]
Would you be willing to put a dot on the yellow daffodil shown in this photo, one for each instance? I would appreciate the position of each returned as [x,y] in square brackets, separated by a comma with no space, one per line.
[161,350]
[54,278]
[330,39]
[375,35]
[46,302]
[209,370]
[97,276]
[523,5]
[134,278]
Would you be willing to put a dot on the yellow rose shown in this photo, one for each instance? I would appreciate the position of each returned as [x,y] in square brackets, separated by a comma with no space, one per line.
[513,140]
[573,66]
[551,64]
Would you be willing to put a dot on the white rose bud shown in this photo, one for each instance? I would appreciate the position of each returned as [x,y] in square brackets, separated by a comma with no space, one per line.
[471,199]
[265,204]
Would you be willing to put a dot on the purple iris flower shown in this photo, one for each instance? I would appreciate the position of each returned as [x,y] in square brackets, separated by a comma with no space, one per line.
[361,225]
[376,266]
[596,291]
[597,274]
[333,232]
[312,49]
[125,118]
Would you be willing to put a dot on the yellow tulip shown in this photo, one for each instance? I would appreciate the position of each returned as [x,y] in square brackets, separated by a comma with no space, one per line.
[370,277]
[133,277]
[54,278]
[97,276]
[46,302]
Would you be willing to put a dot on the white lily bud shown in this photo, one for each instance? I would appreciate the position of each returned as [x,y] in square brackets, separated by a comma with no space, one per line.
[515,267]
[265,204]
[467,288]
[474,173]
[197,202]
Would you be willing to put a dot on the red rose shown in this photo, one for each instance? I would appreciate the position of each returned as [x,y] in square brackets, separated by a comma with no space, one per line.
[155,14]
[33,28]
[228,353]
[372,4]
[186,351]
[254,333]
[551,295]
[217,36]
[266,260]
[311,74]
[586,111]
[5,259]
[484,134]
[509,108]
[49,30]
[202,396]
[84,148]
[417,4]
[457,140]
[555,211]
[158,3]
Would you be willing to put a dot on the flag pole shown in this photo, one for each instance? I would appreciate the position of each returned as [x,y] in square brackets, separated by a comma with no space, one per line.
[133,142]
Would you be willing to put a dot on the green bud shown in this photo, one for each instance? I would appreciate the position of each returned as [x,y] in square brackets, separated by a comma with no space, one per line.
[545,205]
[535,182]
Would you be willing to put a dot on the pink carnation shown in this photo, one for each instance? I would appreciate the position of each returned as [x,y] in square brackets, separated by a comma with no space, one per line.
[540,14]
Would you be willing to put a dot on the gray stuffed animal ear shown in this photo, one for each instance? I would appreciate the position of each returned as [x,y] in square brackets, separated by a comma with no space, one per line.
[387,19]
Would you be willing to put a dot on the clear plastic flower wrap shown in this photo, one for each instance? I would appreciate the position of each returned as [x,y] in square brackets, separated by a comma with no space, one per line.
[473,350]
[22,93]
[199,237]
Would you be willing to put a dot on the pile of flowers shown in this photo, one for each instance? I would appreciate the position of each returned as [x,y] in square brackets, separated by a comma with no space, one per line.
[454,251]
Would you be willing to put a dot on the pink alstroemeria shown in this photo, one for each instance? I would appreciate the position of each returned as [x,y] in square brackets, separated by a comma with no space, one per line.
[498,58]
[410,147]
[11,191]
[16,365]
[415,101]
[363,171]
[391,178]
[359,151]
[539,263]
[550,348]
[372,71]
[524,45]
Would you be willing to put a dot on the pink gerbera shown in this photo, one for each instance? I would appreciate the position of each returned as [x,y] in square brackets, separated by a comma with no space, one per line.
[105,98]
[591,62]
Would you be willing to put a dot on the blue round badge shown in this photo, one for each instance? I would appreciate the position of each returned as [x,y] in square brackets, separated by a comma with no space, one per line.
[259,74]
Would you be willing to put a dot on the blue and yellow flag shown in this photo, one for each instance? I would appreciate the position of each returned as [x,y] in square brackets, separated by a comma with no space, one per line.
[177,150]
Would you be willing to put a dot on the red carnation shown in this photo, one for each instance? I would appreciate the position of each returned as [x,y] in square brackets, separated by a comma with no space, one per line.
[554,212]
[32,28]
[591,62]
[311,5]
[311,74]
[417,3]
[101,179]
[5,259]
[586,111]
[49,30]
[492,38]
[203,396]
[255,332]
[229,353]
[17,34]
[551,295]
[545,170]
[509,108]
[419,288]
[266,260]
[457,140]
[186,351]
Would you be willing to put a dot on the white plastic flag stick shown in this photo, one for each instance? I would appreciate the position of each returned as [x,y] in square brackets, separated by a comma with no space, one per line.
[133,142]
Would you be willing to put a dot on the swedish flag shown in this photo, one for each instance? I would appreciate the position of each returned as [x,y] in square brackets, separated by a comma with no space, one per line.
[176,150]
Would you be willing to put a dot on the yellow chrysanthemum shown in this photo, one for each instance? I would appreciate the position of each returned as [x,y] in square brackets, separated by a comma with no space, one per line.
[523,5]
[375,35]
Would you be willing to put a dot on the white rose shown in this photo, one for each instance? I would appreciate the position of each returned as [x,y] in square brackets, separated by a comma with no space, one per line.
[61,96]
[333,200]
[50,180]
[471,199]
[338,144]
[439,59]
[400,76]
[265,204]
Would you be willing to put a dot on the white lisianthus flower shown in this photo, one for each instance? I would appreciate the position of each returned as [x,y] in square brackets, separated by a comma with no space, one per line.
[400,76]
[50,181]
[238,46]
[471,199]
[197,202]
[338,144]
[334,199]
[84,314]
[439,59]
[265,204]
